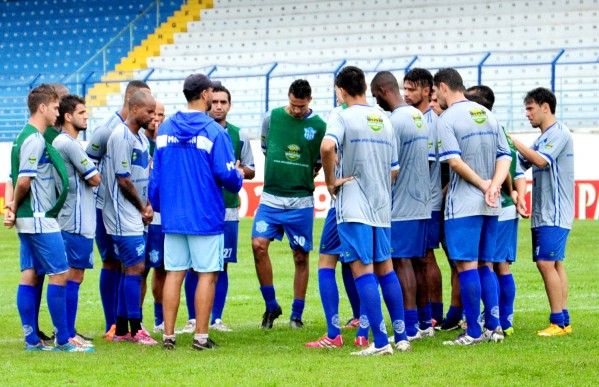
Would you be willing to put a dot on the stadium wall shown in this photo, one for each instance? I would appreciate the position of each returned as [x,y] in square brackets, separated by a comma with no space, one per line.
[586,174]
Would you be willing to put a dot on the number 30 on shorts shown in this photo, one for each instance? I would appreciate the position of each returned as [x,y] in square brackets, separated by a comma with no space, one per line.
[299,240]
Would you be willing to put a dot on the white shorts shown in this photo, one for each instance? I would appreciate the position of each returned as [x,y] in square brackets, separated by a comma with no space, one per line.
[203,253]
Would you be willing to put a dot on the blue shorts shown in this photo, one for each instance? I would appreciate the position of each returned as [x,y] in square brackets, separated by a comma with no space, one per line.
[507,241]
[231,237]
[80,250]
[367,243]
[329,240]
[408,238]
[433,230]
[203,253]
[155,247]
[103,240]
[271,223]
[471,238]
[130,250]
[44,252]
[549,243]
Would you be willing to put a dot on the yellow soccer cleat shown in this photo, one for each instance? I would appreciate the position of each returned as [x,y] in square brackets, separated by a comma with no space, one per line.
[552,330]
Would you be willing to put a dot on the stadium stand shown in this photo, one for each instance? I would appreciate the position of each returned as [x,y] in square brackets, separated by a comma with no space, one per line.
[258,48]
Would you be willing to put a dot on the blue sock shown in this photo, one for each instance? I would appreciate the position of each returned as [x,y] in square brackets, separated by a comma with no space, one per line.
[39,289]
[557,319]
[454,314]
[72,297]
[425,319]
[507,295]
[158,314]
[220,295]
[364,323]
[26,304]
[437,311]
[566,316]
[122,301]
[268,293]
[411,316]
[109,285]
[191,283]
[471,294]
[297,308]
[370,297]
[329,295]
[393,297]
[350,289]
[488,285]
[132,286]
[56,297]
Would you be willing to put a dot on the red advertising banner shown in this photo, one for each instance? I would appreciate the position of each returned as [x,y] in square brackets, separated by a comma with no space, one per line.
[586,199]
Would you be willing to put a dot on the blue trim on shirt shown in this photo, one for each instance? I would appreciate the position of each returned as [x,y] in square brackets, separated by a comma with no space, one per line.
[548,156]
[450,153]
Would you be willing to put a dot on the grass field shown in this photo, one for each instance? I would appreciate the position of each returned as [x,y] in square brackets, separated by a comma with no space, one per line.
[249,356]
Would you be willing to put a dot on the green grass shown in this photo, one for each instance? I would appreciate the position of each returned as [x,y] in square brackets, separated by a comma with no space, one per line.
[250,356]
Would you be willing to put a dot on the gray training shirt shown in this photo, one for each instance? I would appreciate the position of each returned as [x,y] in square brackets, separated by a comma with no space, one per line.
[469,131]
[411,191]
[433,156]
[367,151]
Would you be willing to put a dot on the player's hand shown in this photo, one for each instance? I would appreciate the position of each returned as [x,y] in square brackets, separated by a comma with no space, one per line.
[334,188]
[239,169]
[492,194]
[147,215]
[521,208]
[9,215]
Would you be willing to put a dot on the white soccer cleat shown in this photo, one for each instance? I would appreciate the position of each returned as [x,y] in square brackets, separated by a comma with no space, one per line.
[220,326]
[373,351]
[190,327]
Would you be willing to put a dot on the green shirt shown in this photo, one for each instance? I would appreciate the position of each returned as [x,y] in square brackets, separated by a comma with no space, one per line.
[506,199]
[232,199]
[292,151]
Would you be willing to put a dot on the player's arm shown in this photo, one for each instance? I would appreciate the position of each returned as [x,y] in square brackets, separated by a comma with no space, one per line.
[264,132]
[129,192]
[226,171]
[465,172]
[83,164]
[328,157]
[529,154]
[247,157]
[502,169]
[9,215]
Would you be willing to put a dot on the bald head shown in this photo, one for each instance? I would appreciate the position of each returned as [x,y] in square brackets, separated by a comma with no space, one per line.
[141,98]
[141,109]
[386,80]
[60,89]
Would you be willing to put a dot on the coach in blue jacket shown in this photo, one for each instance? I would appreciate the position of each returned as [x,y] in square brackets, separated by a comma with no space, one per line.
[192,163]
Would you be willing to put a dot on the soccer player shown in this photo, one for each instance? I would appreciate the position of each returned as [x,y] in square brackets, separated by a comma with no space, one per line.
[96,150]
[36,206]
[364,139]
[479,157]
[552,160]
[77,219]
[127,210]
[418,87]
[411,207]
[512,193]
[194,154]
[155,237]
[291,137]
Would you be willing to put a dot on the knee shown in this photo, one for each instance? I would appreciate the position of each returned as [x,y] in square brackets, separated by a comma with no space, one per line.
[300,258]
[260,248]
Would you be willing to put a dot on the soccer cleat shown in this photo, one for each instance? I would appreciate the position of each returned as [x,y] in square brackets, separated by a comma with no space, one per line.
[122,339]
[41,346]
[86,338]
[447,325]
[361,341]
[142,337]
[463,339]
[268,318]
[373,351]
[352,323]
[496,335]
[568,329]
[82,341]
[190,327]
[108,336]
[296,323]
[168,343]
[403,346]
[144,329]
[208,344]
[73,346]
[159,328]
[325,342]
[552,330]
[509,331]
[422,333]
[220,326]
[44,337]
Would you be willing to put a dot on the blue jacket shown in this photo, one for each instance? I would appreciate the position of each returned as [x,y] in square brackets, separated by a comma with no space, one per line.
[193,161]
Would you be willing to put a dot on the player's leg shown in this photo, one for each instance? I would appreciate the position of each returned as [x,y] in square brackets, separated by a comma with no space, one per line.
[110,275]
[423,305]
[561,271]
[488,279]
[191,284]
[507,236]
[405,273]
[222,285]
[158,280]
[434,279]
[352,295]
[27,295]
[154,258]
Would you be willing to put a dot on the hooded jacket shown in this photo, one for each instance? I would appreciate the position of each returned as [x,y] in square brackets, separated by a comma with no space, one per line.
[193,162]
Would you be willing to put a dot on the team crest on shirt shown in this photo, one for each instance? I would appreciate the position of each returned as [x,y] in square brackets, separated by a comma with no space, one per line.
[154,255]
[479,116]
[417,120]
[95,147]
[293,152]
[375,122]
[261,226]
[309,133]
